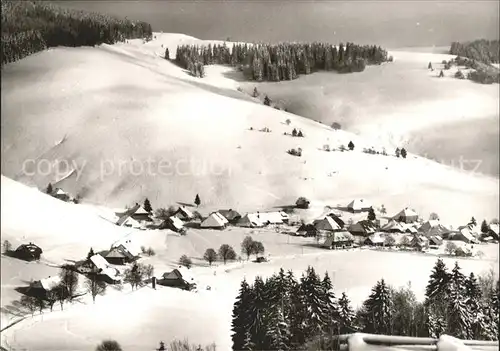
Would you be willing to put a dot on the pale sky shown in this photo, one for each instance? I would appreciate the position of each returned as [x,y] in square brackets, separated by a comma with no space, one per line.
[387,23]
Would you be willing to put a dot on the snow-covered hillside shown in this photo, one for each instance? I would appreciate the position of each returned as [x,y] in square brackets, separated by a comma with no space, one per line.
[126,124]
[134,125]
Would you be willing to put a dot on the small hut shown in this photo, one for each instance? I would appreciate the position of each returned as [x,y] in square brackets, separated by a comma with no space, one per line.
[28,252]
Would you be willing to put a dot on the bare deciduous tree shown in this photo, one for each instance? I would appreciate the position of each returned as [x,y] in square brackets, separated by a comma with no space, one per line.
[95,286]
[247,246]
[210,256]
[450,248]
[226,252]
[69,279]
[135,275]
[6,246]
[29,303]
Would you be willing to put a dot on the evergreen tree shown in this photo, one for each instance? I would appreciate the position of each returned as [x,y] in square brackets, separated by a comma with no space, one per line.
[472,221]
[459,315]
[147,206]
[255,92]
[197,200]
[267,101]
[429,66]
[294,132]
[90,254]
[441,74]
[397,152]
[350,145]
[376,315]
[248,344]
[258,314]
[298,312]
[371,214]
[436,294]
[473,299]
[330,304]
[299,134]
[241,320]
[49,189]
[346,313]
[438,285]
[278,333]
[314,299]
[484,227]
[403,153]
[167,54]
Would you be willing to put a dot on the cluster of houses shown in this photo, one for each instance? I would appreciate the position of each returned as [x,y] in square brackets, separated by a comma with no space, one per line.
[223,218]
[404,229]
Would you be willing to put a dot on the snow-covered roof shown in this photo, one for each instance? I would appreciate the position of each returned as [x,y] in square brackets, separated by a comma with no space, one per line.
[222,218]
[185,212]
[229,214]
[59,191]
[99,261]
[466,232]
[495,228]
[392,225]
[141,211]
[176,222]
[187,275]
[251,219]
[405,212]
[359,204]
[273,217]
[377,238]
[215,220]
[50,282]
[129,246]
[327,223]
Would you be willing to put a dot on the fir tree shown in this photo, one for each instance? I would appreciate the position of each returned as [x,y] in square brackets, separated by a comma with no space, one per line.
[294,132]
[299,134]
[480,322]
[258,314]
[241,320]
[438,285]
[403,153]
[330,304]
[90,254]
[267,101]
[484,227]
[255,92]
[429,66]
[371,214]
[350,145]
[197,200]
[314,298]
[441,74]
[278,333]
[472,222]
[298,312]
[147,206]
[49,189]
[377,308]
[248,344]
[397,152]
[436,293]
[459,315]
[167,54]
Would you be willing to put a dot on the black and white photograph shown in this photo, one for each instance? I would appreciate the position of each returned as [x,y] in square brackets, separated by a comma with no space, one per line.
[250,175]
